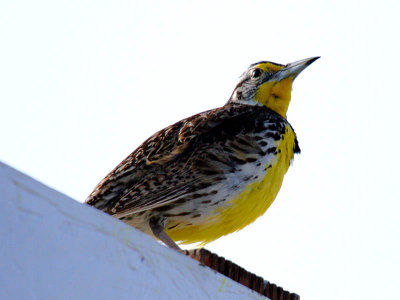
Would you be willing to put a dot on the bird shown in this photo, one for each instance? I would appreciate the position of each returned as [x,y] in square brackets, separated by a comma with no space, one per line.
[213,173]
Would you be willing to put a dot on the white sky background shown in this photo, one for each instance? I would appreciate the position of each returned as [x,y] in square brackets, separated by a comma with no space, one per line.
[83,83]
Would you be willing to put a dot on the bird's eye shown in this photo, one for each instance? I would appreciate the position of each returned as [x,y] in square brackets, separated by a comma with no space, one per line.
[256,73]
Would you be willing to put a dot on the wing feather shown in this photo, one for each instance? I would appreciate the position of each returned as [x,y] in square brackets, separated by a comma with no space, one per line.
[177,161]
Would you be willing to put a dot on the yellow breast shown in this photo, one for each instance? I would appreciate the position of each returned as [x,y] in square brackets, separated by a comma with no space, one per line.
[245,207]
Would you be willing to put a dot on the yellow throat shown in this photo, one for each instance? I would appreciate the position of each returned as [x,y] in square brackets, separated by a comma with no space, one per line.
[273,94]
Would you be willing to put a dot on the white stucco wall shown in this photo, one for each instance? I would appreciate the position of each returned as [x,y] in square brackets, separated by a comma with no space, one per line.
[53,247]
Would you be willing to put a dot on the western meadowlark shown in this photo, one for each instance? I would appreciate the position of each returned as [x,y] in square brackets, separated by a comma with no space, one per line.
[213,173]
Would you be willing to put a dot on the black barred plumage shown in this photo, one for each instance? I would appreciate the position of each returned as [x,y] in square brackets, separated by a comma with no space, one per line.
[187,142]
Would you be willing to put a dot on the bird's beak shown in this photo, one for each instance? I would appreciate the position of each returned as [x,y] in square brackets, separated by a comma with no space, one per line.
[295,68]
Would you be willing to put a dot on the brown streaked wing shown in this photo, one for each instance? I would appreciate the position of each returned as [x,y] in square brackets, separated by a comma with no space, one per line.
[185,151]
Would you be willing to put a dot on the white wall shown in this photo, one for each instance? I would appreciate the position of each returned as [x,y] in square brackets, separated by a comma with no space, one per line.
[52,247]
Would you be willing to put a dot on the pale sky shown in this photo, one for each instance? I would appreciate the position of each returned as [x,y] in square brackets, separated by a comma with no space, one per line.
[83,83]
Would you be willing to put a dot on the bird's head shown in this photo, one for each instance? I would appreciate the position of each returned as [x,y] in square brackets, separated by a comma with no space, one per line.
[269,84]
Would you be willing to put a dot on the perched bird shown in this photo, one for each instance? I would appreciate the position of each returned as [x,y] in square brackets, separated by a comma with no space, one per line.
[213,173]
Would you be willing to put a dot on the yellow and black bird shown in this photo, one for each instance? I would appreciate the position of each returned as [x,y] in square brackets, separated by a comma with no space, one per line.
[213,173]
